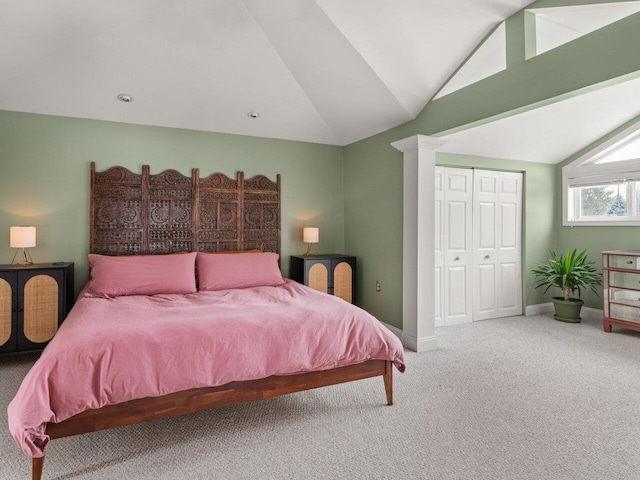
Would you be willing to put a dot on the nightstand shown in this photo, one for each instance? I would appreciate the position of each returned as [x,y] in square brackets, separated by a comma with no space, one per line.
[34,300]
[331,273]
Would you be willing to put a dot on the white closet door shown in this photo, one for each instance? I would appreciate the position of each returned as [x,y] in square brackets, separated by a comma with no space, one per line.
[497,218]
[457,244]
[439,258]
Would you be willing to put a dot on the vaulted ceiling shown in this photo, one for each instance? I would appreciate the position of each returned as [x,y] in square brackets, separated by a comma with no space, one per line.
[553,132]
[324,71]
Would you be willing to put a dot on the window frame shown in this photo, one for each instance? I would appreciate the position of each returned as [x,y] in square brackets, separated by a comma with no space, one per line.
[630,198]
[585,171]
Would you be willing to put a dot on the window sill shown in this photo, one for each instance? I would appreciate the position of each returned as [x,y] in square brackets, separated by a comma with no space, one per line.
[601,223]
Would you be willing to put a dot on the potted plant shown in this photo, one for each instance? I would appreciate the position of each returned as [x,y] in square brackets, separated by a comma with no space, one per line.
[569,273]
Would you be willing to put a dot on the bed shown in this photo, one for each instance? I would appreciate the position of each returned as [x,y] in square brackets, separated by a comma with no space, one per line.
[186,310]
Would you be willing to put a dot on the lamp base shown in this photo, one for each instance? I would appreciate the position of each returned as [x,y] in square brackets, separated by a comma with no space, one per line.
[26,257]
[309,247]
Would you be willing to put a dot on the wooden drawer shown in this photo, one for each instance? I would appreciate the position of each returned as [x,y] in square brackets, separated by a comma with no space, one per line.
[624,312]
[624,261]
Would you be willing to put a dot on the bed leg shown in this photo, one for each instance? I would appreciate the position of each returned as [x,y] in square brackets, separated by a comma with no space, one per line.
[388,381]
[36,468]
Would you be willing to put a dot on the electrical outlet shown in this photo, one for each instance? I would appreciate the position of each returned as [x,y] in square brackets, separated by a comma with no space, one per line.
[378,286]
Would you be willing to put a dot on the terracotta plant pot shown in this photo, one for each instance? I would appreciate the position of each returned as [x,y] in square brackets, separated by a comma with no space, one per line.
[567,310]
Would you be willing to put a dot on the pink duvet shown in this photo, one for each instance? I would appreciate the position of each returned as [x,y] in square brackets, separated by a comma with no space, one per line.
[109,351]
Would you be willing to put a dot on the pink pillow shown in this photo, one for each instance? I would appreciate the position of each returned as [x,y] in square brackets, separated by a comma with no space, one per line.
[241,270]
[142,275]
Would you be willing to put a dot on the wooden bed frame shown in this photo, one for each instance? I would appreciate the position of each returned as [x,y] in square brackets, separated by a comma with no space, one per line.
[155,214]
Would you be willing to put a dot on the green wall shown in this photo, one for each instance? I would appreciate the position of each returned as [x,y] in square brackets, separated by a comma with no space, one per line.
[605,56]
[373,227]
[597,238]
[45,175]
[373,169]
[353,193]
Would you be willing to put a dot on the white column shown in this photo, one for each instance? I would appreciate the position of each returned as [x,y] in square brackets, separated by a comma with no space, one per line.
[418,245]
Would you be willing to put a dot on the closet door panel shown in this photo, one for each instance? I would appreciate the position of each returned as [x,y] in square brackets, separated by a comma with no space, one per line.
[509,235]
[485,286]
[508,286]
[457,243]
[485,244]
[497,237]
[438,240]
[510,250]
[456,293]
[486,225]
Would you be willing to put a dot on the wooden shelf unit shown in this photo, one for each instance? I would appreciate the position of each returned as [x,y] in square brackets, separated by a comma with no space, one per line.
[621,289]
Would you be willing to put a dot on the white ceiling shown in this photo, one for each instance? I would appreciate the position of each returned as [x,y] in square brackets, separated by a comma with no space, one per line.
[558,25]
[322,71]
[325,71]
[553,132]
[560,127]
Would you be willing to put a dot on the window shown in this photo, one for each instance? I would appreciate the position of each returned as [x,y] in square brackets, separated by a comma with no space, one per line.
[550,27]
[602,187]
[605,202]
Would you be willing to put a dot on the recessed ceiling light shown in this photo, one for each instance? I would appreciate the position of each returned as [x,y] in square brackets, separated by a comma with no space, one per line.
[253,114]
[126,98]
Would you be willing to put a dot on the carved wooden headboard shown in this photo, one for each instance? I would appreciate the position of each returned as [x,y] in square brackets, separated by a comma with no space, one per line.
[133,214]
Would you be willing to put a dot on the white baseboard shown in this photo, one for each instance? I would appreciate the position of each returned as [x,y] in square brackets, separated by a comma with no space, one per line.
[539,309]
[423,344]
[395,330]
[544,308]
[426,344]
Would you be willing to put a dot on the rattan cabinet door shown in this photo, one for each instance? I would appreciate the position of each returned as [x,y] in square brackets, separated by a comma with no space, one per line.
[41,306]
[330,273]
[313,271]
[319,277]
[8,311]
[343,281]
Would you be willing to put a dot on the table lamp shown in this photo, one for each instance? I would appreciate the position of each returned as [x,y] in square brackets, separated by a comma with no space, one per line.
[22,237]
[310,236]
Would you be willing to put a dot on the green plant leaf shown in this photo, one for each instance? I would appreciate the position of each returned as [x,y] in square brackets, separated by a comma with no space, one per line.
[571,272]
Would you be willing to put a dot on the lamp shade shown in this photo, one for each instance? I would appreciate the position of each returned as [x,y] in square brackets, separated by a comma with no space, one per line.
[310,234]
[22,236]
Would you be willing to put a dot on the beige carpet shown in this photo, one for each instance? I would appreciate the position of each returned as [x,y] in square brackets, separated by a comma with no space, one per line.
[517,398]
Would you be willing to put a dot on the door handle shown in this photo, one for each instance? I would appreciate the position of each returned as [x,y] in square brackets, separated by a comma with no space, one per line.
[456,259]
[486,257]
